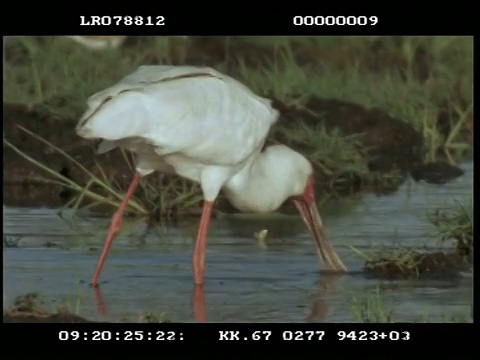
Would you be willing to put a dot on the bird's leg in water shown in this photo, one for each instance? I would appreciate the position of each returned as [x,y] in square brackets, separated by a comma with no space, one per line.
[99,301]
[198,304]
[198,257]
[114,228]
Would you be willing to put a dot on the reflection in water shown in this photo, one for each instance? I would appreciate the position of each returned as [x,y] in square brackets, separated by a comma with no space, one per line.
[326,287]
[319,308]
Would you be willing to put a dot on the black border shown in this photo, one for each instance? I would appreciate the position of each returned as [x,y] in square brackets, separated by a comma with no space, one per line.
[238,19]
[419,335]
[20,18]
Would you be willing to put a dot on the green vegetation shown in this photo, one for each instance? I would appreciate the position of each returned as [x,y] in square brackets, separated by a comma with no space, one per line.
[66,182]
[425,82]
[31,302]
[32,308]
[455,225]
[373,307]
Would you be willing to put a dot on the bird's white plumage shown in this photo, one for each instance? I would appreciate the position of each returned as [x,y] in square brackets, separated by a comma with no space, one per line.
[213,119]
[194,121]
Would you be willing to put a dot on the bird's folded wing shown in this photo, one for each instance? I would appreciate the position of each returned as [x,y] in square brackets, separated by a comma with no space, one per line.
[143,77]
[210,117]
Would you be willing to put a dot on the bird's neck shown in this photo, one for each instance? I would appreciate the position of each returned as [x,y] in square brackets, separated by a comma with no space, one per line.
[257,187]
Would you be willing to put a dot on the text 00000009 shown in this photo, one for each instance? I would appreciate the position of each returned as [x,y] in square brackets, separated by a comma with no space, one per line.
[122,20]
[335,20]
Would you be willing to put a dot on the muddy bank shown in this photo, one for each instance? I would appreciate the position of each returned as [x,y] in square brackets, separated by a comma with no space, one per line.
[416,264]
[390,145]
[14,316]
[29,308]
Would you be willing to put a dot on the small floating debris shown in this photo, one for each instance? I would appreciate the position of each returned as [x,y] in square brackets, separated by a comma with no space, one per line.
[261,237]
[11,241]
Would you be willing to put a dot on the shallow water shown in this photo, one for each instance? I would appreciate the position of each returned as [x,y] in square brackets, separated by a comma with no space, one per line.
[150,272]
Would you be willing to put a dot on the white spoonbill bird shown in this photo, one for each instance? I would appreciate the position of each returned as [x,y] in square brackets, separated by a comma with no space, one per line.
[209,128]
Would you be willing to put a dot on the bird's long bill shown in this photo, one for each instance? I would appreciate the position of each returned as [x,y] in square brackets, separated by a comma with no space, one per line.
[325,250]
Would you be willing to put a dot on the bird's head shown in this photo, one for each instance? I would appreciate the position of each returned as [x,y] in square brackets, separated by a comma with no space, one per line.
[276,175]
[296,172]
[307,207]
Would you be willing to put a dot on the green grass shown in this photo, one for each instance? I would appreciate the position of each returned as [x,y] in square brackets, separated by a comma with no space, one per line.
[58,75]
[394,87]
[84,191]
[42,70]
[404,261]
[160,197]
[35,306]
[61,75]
[454,225]
[373,307]
[31,302]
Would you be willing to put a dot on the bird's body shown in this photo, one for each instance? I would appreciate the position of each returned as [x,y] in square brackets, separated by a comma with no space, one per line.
[196,122]
[209,128]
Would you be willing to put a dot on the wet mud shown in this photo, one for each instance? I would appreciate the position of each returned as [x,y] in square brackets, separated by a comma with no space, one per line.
[392,144]
[29,308]
[436,172]
[13,316]
[417,264]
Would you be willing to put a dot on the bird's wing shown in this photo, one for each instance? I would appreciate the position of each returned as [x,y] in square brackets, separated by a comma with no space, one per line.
[143,77]
[199,112]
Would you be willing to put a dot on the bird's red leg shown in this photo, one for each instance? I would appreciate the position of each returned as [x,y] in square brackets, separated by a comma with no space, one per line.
[114,228]
[198,257]
[198,263]
[198,303]
[99,301]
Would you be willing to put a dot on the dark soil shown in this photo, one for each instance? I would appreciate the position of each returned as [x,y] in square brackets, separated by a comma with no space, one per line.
[422,264]
[436,172]
[28,317]
[28,308]
[23,184]
[393,145]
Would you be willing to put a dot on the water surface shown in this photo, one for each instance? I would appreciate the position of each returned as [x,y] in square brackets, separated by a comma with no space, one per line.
[150,271]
